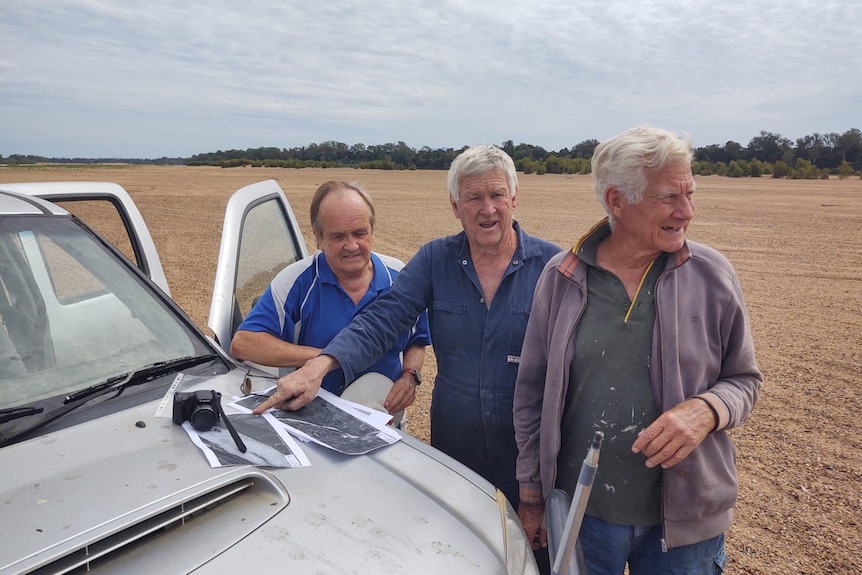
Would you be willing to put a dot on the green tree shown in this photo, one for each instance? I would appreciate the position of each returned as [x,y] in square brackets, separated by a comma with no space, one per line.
[585,149]
[755,168]
[701,168]
[811,147]
[845,170]
[736,169]
[556,165]
[781,170]
[509,147]
[805,170]
[526,165]
[769,147]
[850,146]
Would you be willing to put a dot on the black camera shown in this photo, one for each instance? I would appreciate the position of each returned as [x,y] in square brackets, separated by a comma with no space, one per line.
[201,408]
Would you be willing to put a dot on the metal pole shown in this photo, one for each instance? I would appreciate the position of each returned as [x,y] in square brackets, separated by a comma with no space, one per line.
[579,505]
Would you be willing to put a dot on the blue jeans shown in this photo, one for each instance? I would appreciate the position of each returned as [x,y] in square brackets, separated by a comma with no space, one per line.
[608,547]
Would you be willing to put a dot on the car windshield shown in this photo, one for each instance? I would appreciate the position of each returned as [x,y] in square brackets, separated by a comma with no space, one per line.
[73,313]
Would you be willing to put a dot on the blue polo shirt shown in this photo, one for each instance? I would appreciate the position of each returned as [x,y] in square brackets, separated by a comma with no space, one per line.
[477,347]
[305,305]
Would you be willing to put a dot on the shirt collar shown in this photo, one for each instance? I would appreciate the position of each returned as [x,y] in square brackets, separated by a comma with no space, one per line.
[382,278]
[524,250]
[587,247]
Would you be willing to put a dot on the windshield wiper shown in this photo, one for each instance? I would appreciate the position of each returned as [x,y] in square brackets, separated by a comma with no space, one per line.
[17,412]
[117,383]
[139,376]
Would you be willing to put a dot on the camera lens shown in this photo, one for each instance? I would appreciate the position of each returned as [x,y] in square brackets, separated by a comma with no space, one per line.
[203,418]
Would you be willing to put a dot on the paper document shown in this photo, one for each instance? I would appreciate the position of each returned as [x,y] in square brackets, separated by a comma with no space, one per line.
[331,421]
[266,440]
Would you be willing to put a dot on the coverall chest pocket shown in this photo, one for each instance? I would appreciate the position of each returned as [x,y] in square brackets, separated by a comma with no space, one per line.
[449,328]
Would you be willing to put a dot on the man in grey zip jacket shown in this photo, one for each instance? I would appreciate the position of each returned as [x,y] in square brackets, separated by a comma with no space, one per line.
[686,373]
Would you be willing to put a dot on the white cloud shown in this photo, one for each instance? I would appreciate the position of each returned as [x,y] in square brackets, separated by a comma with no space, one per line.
[146,79]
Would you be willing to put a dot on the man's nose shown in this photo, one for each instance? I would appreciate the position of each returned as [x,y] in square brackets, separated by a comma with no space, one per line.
[350,242]
[487,206]
[684,209]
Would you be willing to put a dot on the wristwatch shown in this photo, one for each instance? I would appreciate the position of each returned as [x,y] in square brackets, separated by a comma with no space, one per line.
[417,377]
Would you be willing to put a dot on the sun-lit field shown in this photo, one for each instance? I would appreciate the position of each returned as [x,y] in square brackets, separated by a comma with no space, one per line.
[797,248]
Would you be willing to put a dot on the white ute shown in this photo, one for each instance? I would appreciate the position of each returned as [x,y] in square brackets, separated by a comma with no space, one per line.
[92,480]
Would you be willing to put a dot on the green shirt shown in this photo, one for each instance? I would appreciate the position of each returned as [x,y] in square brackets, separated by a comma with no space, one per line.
[610,391]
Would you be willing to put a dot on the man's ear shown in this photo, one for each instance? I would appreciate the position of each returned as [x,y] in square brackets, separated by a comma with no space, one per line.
[614,200]
[455,209]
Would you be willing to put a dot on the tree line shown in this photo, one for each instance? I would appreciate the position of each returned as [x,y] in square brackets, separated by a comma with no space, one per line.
[809,157]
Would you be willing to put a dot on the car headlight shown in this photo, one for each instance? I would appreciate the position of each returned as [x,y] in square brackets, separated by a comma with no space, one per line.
[519,553]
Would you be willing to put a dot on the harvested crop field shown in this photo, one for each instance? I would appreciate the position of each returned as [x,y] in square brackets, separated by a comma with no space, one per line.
[796,245]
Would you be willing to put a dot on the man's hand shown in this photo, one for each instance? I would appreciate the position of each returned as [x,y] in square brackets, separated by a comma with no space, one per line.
[533,520]
[299,387]
[675,434]
[402,394]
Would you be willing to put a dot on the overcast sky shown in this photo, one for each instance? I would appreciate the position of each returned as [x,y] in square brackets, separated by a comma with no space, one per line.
[146,79]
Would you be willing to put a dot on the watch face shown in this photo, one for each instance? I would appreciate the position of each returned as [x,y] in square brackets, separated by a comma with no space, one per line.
[417,377]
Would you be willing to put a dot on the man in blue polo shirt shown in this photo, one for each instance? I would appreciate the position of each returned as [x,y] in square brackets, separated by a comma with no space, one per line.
[311,300]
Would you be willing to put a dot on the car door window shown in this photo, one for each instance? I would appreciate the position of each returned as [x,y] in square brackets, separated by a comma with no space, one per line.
[104,217]
[260,237]
[267,246]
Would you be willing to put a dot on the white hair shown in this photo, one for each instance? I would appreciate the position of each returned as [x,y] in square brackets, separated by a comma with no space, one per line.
[477,160]
[626,161]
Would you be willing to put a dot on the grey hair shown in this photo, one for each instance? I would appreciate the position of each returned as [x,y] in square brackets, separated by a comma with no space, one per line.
[327,188]
[627,160]
[478,160]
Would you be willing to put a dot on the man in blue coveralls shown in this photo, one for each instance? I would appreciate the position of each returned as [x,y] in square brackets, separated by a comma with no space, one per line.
[311,300]
[477,286]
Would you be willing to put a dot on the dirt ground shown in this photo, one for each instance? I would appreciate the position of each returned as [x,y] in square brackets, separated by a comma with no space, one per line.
[797,248]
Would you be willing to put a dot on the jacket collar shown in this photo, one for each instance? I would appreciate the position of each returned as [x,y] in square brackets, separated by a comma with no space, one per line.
[597,233]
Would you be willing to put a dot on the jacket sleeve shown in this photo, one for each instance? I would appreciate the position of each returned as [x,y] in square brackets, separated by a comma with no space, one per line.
[529,391]
[740,380]
[378,327]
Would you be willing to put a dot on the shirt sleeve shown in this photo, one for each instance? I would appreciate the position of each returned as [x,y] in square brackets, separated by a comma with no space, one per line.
[263,316]
[278,310]
[421,333]
[377,329]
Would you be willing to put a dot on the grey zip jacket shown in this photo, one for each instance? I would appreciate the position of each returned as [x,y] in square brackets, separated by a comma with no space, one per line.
[702,346]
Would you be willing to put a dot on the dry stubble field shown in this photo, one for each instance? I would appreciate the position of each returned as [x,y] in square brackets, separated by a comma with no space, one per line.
[797,248]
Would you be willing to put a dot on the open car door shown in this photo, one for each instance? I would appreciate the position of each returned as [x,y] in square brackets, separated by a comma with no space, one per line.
[109,210]
[260,237]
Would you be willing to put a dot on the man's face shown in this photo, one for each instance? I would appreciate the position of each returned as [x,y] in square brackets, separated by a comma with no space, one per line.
[486,209]
[347,236]
[660,222]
